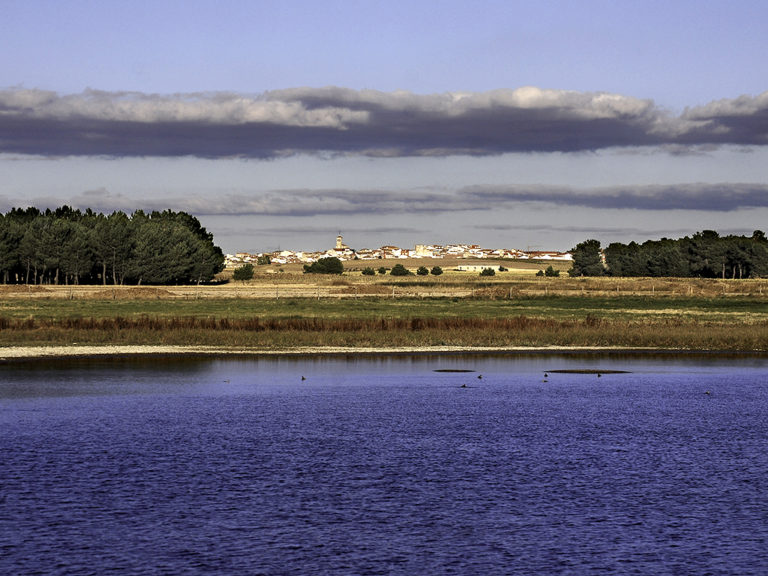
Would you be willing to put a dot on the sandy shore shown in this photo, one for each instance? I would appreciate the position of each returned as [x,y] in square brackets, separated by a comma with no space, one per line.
[28,352]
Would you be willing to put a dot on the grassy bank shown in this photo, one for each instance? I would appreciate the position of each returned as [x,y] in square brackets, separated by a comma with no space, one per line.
[721,323]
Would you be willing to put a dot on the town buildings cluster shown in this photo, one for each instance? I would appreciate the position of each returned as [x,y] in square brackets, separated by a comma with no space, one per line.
[427,251]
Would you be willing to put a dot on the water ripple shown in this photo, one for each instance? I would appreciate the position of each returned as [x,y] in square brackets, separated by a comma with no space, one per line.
[643,475]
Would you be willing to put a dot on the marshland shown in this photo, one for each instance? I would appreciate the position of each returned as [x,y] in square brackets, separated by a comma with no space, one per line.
[284,309]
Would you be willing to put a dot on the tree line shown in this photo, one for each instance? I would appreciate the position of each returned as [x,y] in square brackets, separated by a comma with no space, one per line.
[69,246]
[704,255]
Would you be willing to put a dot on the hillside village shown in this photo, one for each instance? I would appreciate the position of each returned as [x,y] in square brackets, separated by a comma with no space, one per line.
[426,251]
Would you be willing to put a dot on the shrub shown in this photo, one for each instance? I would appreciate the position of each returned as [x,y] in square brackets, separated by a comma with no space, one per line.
[243,273]
[436,271]
[488,272]
[330,265]
[264,260]
[399,270]
[369,271]
[382,270]
[422,271]
[551,272]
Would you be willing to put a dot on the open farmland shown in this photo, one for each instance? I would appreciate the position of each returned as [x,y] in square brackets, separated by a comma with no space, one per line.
[518,281]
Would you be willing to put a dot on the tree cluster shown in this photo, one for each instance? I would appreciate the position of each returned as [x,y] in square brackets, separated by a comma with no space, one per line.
[329,265]
[587,259]
[399,270]
[67,246]
[704,255]
[550,272]
[243,273]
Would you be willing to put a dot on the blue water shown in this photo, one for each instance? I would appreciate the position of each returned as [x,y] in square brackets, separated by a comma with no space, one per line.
[384,466]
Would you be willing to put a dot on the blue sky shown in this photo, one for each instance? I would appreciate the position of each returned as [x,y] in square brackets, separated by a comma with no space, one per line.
[279,124]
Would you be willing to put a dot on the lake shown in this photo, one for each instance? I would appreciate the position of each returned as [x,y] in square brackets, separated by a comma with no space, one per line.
[463,464]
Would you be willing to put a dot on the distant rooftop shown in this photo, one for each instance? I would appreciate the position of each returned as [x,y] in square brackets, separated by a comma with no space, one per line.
[432,251]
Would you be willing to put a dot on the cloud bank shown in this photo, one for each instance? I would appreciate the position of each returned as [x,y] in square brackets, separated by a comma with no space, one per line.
[725,197]
[371,123]
[715,198]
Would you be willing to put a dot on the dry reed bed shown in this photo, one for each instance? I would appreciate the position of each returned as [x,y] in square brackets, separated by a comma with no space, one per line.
[282,333]
[257,324]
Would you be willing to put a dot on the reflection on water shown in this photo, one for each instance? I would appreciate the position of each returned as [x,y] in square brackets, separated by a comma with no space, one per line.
[174,374]
[380,465]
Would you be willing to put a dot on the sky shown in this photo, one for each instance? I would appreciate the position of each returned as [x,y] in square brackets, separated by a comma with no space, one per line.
[510,124]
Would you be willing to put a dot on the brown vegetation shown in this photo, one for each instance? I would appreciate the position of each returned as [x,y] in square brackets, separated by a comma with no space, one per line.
[451,284]
[388,332]
[456,309]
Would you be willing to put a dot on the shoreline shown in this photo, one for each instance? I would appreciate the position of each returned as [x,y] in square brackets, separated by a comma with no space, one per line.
[21,353]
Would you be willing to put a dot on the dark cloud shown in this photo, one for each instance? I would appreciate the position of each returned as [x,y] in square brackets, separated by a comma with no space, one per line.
[594,230]
[742,120]
[312,203]
[706,197]
[342,121]
[304,230]
[623,234]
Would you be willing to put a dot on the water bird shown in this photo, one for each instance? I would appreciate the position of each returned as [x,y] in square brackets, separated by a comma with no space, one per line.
[546,375]
[708,393]
[463,385]
[303,378]
[480,377]
[598,374]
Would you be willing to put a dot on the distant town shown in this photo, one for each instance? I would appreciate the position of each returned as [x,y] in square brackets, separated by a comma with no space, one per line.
[432,251]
